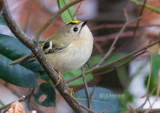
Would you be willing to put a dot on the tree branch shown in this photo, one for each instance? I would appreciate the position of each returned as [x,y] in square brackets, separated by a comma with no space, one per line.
[36,50]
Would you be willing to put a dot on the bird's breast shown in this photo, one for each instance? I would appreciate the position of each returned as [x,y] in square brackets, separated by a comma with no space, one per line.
[72,57]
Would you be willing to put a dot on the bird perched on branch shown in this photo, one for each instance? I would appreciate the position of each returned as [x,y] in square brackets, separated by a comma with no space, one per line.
[68,49]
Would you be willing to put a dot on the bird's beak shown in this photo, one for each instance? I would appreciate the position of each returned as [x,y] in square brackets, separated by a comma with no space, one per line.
[84,23]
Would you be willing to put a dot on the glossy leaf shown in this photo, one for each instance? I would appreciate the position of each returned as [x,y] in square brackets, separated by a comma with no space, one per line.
[68,14]
[22,75]
[2,22]
[49,95]
[102,99]
[69,75]
[14,49]
[17,74]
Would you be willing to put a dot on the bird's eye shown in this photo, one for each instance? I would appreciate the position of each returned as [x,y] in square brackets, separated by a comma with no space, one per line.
[75,29]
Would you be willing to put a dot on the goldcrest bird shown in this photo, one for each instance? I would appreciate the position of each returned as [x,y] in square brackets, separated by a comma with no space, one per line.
[68,49]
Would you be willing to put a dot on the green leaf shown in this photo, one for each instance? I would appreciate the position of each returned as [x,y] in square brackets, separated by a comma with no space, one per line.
[16,75]
[47,91]
[79,81]
[21,75]
[69,13]
[94,60]
[102,99]
[13,49]
[123,76]
[155,68]
[44,76]
[115,57]
[2,22]
[41,42]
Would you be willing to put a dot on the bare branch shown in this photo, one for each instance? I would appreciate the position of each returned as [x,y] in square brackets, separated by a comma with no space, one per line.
[118,35]
[86,87]
[114,26]
[21,99]
[92,93]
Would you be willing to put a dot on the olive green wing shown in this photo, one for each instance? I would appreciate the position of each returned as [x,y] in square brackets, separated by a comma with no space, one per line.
[54,44]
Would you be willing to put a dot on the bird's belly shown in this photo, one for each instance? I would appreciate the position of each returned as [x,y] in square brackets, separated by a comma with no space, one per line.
[69,59]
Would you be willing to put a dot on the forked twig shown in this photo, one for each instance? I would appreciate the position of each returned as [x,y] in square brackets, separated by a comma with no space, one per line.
[118,35]
[21,99]
[86,87]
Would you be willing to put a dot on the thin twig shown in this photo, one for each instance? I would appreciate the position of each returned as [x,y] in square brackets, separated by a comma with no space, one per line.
[120,65]
[116,39]
[148,83]
[126,44]
[148,96]
[40,31]
[104,111]
[109,37]
[77,9]
[125,13]
[92,94]
[138,22]
[115,26]
[147,99]
[86,87]
[21,99]
[98,47]
[143,111]
[118,60]
[68,10]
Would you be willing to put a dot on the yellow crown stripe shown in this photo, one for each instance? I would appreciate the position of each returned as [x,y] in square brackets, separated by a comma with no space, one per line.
[73,22]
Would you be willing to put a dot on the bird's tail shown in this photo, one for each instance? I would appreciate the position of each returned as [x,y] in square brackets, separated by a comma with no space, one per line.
[20,60]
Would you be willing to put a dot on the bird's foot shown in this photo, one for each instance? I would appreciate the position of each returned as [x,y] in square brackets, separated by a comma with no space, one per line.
[70,90]
[59,78]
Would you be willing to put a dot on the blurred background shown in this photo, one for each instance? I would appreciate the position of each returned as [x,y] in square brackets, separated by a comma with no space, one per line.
[105,19]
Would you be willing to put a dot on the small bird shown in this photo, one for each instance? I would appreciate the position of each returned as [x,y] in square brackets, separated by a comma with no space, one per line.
[68,49]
